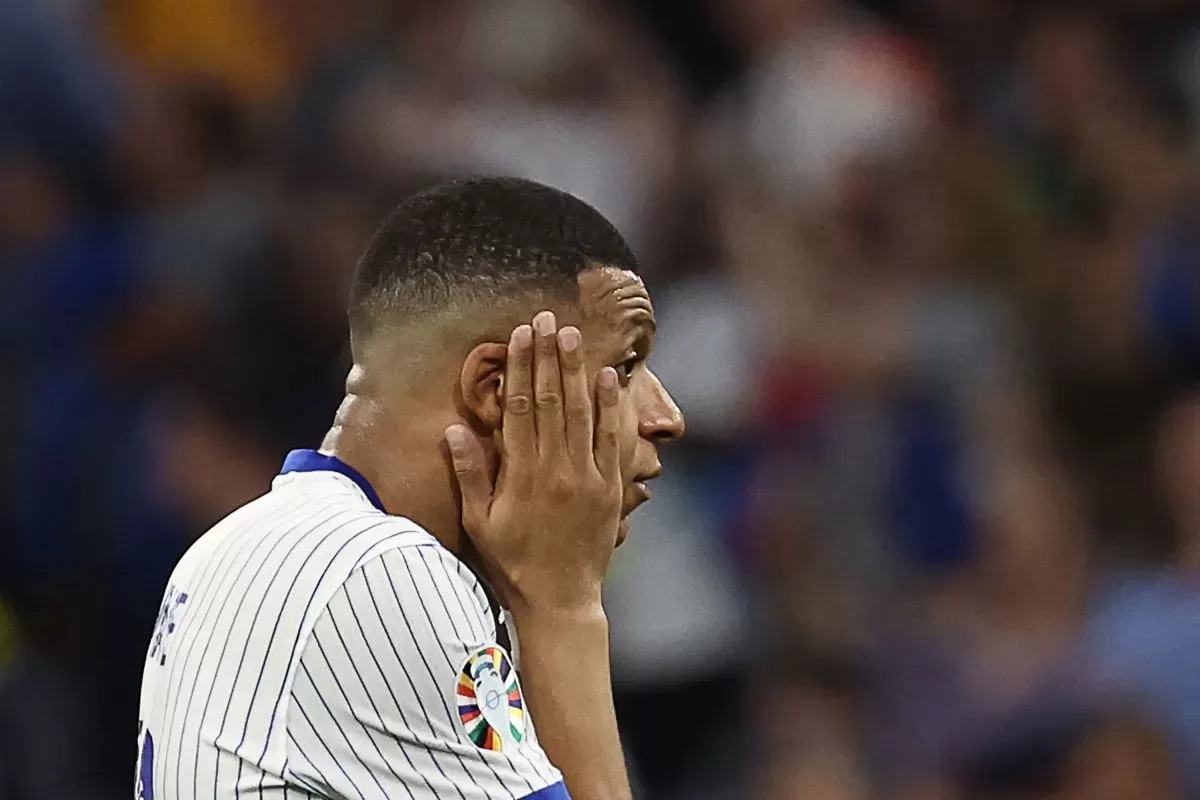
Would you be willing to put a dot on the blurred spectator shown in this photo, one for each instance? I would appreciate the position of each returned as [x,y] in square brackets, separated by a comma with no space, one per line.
[588,109]
[201,214]
[679,646]
[233,43]
[1122,759]
[826,88]
[811,714]
[209,454]
[86,538]
[1143,632]
[997,644]
[1097,756]
[927,278]
[57,94]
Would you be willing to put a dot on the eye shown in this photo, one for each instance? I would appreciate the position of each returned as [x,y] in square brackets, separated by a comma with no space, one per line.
[625,369]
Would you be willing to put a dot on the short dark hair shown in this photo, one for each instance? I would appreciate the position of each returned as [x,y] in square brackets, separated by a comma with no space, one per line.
[479,240]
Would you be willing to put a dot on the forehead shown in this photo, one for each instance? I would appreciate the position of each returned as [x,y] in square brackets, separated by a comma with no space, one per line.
[615,302]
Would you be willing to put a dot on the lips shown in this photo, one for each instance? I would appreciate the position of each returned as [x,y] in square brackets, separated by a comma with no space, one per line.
[639,493]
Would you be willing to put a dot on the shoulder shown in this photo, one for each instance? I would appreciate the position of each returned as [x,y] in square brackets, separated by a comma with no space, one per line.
[289,553]
[423,588]
[317,534]
[391,678]
[324,526]
[413,606]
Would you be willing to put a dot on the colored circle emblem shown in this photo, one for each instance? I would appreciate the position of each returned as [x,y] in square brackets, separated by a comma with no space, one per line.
[489,700]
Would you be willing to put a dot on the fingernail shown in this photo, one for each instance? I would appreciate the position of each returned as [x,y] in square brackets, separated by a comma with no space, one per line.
[457,440]
[523,336]
[608,378]
[543,323]
[569,339]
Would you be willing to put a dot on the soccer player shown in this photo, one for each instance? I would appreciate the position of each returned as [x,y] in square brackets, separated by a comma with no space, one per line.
[393,616]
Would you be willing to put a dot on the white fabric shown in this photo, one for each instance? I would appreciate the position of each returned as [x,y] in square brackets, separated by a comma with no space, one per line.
[309,646]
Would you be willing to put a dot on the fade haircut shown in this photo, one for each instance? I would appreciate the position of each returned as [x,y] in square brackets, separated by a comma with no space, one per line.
[479,242]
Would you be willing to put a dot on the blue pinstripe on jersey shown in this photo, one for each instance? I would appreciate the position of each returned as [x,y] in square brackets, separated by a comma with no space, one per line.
[454,625]
[408,675]
[452,666]
[387,684]
[432,675]
[293,586]
[254,545]
[321,740]
[242,660]
[366,731]
[366,690]
[275,629]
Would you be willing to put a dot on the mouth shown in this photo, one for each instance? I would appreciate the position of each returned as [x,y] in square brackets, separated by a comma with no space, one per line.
[640,492]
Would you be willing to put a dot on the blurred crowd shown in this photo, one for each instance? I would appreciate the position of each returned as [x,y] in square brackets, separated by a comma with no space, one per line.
[928,285]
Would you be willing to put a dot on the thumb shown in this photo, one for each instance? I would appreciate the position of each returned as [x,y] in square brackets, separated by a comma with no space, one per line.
[471,471]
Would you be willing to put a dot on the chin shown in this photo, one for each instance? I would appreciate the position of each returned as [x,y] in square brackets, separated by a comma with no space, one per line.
[622,531]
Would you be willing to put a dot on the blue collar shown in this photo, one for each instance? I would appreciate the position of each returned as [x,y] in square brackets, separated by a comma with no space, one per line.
[314,461]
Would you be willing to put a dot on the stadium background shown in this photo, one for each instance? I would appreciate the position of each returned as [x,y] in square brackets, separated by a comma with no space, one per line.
[928,279]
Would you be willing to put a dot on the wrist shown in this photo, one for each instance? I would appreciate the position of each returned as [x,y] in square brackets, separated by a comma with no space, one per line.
[540,598]
[585,612]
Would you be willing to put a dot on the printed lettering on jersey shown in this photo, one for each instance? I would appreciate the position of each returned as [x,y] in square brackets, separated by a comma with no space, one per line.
[164,626]
[490,704]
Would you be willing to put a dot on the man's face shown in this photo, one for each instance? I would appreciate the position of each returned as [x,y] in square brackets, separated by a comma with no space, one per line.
[618,328]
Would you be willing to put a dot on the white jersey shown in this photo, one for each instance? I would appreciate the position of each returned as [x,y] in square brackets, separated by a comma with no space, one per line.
[311,645]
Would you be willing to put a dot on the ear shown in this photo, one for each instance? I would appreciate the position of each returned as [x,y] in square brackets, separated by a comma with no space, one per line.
[482,383]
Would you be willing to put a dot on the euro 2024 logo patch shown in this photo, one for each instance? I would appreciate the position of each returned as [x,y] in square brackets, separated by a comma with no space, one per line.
[489,700]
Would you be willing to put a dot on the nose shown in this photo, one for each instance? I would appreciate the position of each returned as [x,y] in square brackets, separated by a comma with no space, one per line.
[661,420]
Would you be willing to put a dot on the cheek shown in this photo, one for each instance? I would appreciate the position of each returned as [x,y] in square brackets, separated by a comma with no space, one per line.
[629,431]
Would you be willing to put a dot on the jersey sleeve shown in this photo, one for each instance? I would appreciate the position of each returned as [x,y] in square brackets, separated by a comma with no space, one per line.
[402,691]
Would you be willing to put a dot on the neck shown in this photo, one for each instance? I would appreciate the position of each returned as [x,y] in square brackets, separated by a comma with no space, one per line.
[404,463]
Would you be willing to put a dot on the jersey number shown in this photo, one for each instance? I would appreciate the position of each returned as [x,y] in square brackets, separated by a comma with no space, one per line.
[145,778]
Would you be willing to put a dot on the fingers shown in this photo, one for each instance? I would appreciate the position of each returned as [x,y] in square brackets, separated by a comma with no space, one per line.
[607,454]
[577,399]
[520,434]
[548,409]
[471,470]
[548,390]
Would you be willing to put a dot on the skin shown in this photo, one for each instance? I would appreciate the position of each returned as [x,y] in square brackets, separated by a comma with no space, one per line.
[526,459]
[391,425]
